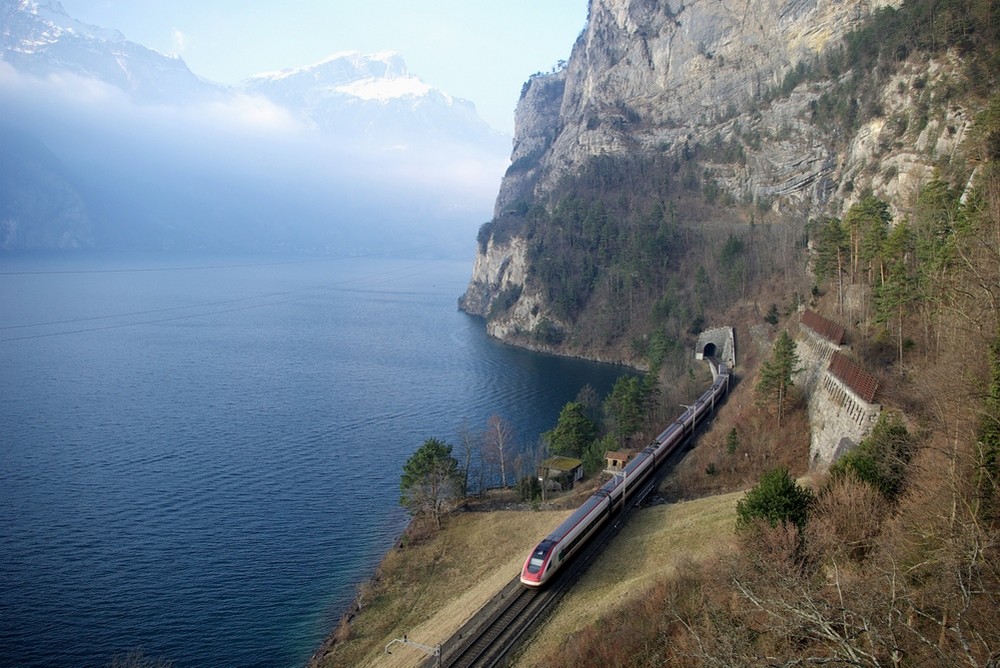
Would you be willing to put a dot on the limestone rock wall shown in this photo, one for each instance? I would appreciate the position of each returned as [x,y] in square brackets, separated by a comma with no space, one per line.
[654,77]
[502,266]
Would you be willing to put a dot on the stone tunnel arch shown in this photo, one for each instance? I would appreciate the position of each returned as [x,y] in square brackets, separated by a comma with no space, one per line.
[718,343]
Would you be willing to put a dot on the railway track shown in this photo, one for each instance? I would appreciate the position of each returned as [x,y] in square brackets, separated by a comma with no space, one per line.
[496,631]
[492,636]
[509,616]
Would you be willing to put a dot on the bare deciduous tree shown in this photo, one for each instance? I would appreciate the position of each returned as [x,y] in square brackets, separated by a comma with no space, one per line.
[498,445]
[471,448]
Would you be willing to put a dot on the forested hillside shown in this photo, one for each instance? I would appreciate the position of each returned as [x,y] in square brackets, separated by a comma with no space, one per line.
[659,238]
[892,556]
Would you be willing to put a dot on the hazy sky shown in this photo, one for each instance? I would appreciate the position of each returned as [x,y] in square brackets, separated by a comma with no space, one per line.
[480,50]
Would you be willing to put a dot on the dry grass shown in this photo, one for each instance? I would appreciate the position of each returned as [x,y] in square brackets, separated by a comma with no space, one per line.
[427,591]
[650,547]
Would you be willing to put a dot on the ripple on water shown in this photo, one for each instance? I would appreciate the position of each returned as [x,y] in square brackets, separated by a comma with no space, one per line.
[210,483]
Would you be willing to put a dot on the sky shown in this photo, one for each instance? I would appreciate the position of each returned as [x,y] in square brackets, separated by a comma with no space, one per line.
[480,50]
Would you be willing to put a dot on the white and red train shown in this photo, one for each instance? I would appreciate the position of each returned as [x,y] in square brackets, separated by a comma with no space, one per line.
[557,548]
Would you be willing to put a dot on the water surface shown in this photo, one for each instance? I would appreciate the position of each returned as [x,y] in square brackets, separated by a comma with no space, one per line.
[200,456]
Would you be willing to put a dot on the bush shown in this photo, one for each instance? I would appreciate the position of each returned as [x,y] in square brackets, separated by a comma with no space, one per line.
[776,498]
[732,441]
[881,459]
[547,332]
[507,298]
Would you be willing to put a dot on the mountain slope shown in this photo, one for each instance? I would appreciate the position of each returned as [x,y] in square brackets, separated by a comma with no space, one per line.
[678,157]
[40,207]
[40,38]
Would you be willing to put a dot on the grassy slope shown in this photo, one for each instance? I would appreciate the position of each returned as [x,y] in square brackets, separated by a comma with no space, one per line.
[654,542]
[429,590]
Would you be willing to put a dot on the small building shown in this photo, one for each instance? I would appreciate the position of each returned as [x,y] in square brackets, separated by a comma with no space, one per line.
[564,471]
[616,460]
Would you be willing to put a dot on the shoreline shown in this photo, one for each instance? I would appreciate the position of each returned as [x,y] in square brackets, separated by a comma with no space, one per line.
[449,582]
[414,539]
[355,606]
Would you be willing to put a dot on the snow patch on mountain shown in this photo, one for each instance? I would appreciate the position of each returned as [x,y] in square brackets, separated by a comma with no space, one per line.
[386,89]
[60,23]
[379,76]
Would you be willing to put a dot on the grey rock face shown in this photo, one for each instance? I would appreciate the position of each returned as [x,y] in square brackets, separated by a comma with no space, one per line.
[652,78]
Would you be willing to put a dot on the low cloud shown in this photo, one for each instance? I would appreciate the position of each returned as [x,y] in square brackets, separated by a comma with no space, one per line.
[179,41]
[238,156]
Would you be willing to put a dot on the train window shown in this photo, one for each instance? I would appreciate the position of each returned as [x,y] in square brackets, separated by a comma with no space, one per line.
[538,556]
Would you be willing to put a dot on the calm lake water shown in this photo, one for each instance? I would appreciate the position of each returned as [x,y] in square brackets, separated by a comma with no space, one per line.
[200,456]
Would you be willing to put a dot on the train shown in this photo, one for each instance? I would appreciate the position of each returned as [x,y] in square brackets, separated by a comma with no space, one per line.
[558,547]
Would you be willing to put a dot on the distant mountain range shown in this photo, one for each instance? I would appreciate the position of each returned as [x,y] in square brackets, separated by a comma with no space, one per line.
[373,95]
[40,38]
[131,97]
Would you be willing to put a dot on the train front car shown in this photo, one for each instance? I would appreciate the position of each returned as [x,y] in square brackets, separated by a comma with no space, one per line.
[535,571]
[560,545]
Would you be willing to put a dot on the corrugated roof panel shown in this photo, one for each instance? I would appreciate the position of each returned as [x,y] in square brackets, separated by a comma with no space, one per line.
[863,383]
[825,328]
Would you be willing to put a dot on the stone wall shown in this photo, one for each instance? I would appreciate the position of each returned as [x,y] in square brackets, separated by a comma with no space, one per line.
[719,343]
[839,416]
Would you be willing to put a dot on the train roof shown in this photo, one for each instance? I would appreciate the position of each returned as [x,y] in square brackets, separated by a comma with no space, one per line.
[585,509]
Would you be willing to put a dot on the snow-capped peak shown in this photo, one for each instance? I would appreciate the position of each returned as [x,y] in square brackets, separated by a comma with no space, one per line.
[375,77]
[52,13]
[345,64]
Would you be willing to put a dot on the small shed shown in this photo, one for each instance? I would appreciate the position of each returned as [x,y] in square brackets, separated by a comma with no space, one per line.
[616,460]
[565,471]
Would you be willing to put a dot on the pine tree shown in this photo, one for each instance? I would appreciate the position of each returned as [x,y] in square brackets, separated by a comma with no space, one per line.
[866,223]
[775,377]
[573,433]
[625,407]
[832,253]
[431,480]
[775,498]
[935,221]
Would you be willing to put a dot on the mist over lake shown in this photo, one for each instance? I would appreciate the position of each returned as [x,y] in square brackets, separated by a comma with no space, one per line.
[200,454]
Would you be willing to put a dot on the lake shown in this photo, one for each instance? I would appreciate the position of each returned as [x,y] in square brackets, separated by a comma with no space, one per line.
[200,455]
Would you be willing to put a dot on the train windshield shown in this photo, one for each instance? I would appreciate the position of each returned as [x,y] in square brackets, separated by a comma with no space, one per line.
[537,558]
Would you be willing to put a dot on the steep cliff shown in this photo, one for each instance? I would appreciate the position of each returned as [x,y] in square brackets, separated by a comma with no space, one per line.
[723,113]
[651,75]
